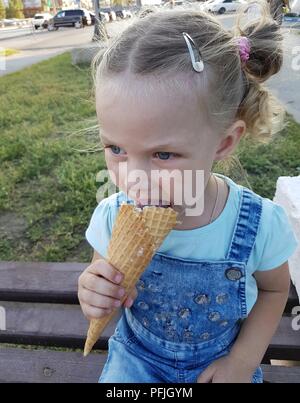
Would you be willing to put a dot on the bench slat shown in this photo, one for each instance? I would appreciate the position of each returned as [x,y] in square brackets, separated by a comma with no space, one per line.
[46,366]
[285,344]
[56,283]
[293,300]
[50,324]
[40,282]
[279,374]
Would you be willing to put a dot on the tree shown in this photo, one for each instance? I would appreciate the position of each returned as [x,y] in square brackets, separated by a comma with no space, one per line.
[15,9]
[44,5]
[123,3]
[2,10]
[100,31]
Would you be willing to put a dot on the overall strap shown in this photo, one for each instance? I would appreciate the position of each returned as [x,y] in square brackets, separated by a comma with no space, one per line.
[246,226]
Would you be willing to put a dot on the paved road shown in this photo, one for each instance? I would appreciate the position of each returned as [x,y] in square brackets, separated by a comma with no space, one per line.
[286,84]
[12,32]
[43,45]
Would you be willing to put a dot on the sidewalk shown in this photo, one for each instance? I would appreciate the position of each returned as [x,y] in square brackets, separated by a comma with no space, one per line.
[286,84]
[291,23]
[43,45]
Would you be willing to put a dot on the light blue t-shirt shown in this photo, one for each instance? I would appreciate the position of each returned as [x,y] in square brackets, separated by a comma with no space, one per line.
[275,241]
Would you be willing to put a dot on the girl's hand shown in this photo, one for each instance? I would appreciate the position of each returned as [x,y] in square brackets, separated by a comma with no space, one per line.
[130,299]
[99,291]
[227,370]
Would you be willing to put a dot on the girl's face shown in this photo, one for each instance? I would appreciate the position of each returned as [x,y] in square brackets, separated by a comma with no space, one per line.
[146,130]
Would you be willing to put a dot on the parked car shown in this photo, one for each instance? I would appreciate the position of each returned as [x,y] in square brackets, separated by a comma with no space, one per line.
[221,6]
[13,22]
[93,17]
[110,12]
[127,13]
[77,18]
[9,22]
[41,20]
[104,16]
[120,14]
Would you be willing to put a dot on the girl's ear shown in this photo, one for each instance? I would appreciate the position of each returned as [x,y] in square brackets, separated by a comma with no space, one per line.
[230,140]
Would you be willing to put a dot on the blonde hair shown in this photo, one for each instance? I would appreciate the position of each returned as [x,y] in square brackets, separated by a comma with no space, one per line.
[153,47]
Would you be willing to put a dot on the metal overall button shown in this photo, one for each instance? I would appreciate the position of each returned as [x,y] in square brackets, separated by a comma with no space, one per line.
[233,274]
[214,316]
[202,299]
[205,336]
[222,298]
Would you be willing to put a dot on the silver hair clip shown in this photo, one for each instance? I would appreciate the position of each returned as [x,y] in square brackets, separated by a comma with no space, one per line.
[194,53]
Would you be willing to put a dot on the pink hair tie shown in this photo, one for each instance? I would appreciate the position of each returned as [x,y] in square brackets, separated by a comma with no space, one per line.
[244,47]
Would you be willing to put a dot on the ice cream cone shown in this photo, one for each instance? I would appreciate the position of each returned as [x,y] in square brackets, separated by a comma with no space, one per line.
[136,235]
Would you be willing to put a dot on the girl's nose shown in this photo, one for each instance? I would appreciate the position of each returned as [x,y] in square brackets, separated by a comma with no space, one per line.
[138,179]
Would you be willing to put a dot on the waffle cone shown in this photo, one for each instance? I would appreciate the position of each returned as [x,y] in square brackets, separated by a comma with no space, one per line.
[136,236]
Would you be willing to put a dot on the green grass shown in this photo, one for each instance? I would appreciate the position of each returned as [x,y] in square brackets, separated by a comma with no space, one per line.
[48,180]
[265,163]
[8,52]
[45,181]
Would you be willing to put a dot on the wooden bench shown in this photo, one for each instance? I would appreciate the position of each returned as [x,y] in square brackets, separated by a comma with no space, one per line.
[42,312]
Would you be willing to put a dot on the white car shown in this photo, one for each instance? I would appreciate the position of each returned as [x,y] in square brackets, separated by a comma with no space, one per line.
[222,6]
[104,16]
[41,20]
[127,14]
[8,22]
[113,16]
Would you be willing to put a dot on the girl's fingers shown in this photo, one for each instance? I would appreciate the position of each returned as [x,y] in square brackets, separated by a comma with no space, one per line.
[92,312]
[100,269]
[130,299]
[133,293]
[102,286]
[207,375]
[97,300]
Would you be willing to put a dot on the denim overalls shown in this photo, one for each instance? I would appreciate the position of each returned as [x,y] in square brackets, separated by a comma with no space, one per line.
[187,314]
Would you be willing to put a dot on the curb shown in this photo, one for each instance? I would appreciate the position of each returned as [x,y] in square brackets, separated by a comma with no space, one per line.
[291,22]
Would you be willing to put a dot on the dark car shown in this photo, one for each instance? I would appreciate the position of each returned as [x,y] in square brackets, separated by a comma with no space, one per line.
[93,17]
[120,13]
[71,18]
[110,12]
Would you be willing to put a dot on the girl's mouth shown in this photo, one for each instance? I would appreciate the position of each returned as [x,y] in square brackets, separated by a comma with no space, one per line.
[143,203]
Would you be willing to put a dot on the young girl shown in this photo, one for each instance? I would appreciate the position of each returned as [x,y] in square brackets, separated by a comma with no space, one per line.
[176,91]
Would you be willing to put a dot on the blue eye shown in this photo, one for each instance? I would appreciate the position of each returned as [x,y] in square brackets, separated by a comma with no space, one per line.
[116,150]
[163,155]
